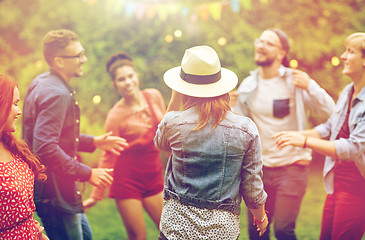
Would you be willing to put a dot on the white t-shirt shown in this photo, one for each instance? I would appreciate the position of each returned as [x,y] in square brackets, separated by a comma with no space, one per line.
[272,108]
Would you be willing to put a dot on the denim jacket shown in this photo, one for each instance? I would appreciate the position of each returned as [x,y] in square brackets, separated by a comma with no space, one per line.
[51,125]
[208,168]
[314,99]
[349,149]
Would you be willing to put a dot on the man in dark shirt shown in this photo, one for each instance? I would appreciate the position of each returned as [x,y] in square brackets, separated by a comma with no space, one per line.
[51,124]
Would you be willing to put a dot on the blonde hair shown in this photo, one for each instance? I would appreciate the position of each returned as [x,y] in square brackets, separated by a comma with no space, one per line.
[357,40]
[213,107]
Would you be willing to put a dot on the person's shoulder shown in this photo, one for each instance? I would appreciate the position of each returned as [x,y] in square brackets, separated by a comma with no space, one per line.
[49,84]
[249,82]
[241,121]
[153,92]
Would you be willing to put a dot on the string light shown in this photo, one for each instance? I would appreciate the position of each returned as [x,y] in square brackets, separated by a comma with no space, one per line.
[178,33]
[293,63]
[96,99]
[169,38]
[222,41]
[335,61]
[39,64]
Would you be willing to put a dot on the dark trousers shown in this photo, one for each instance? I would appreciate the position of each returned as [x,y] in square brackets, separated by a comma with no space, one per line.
[285,187]
[64,226]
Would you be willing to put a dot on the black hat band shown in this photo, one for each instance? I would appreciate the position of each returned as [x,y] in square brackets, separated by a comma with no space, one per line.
[200,79]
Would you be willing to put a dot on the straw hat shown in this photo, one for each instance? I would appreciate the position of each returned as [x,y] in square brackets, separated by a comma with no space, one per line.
[200,74]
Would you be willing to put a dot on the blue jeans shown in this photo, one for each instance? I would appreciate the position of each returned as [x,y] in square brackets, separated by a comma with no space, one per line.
[285,187]
[64,226]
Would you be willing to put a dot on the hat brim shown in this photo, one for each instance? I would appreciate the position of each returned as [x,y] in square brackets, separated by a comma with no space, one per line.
[226,84]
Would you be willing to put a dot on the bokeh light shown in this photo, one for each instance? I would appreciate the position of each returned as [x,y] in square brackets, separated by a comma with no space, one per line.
[178,33]
[96,99]
[222,41]
[293,63]
[335,61]
[169,38]
[39,64]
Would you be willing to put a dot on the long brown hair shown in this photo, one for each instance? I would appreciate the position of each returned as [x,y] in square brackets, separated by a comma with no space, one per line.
[213,107]
[14,145]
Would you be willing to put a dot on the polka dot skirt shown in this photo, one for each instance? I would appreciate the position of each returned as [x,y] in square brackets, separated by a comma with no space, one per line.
[16,201]
[180,221]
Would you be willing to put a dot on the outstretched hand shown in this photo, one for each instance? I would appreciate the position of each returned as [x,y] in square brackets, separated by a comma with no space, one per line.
[289,138]
[101,177]
[113,144]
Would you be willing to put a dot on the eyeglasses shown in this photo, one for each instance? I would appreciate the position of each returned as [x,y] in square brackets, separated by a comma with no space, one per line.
[80,56]
[265,43]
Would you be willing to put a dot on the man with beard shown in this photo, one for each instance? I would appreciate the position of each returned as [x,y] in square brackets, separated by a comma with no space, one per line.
[278,98]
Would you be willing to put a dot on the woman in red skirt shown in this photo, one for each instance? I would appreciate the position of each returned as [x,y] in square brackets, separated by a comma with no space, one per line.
[138,175]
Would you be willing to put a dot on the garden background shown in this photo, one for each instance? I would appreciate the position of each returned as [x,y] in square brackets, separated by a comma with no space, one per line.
[156,33]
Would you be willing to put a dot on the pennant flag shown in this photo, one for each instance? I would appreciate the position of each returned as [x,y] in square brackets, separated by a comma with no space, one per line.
[246,4]
[203,12]
[118,6]
[91,2]
[235,5]
[151,12]
[140,10]
[162,12]
[185,11]
[130,8]
[215,10]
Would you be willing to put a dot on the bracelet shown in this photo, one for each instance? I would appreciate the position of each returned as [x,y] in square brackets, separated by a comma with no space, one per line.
[305,142]
[262,220]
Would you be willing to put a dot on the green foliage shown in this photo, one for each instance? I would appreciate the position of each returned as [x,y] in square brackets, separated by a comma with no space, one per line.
[317,30]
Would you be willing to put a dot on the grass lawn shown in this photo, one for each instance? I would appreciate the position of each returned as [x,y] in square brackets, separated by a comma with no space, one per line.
[107,224]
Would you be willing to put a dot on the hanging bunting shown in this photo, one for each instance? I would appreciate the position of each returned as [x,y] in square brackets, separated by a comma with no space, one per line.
[140,11]
[118,6]
[163,12]
[246,4]
[215,10]
[130,8]
[145,9]
[203,12]
[235,5]
[151,12]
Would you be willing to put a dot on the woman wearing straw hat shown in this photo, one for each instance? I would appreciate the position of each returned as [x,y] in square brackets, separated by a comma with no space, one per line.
[215,154]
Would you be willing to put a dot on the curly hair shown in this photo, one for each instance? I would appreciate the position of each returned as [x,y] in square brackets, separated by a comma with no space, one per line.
[118,60]
[14,145]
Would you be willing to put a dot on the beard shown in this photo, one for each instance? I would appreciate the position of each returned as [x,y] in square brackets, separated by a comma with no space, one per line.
[264,60]
[264,63]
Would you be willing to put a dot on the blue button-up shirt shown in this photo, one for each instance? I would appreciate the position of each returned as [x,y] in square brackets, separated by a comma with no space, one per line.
[51,123]
[347,149]
[212,168]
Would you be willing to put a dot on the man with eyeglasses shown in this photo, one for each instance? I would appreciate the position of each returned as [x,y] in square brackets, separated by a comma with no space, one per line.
[278,98]
[51,124]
